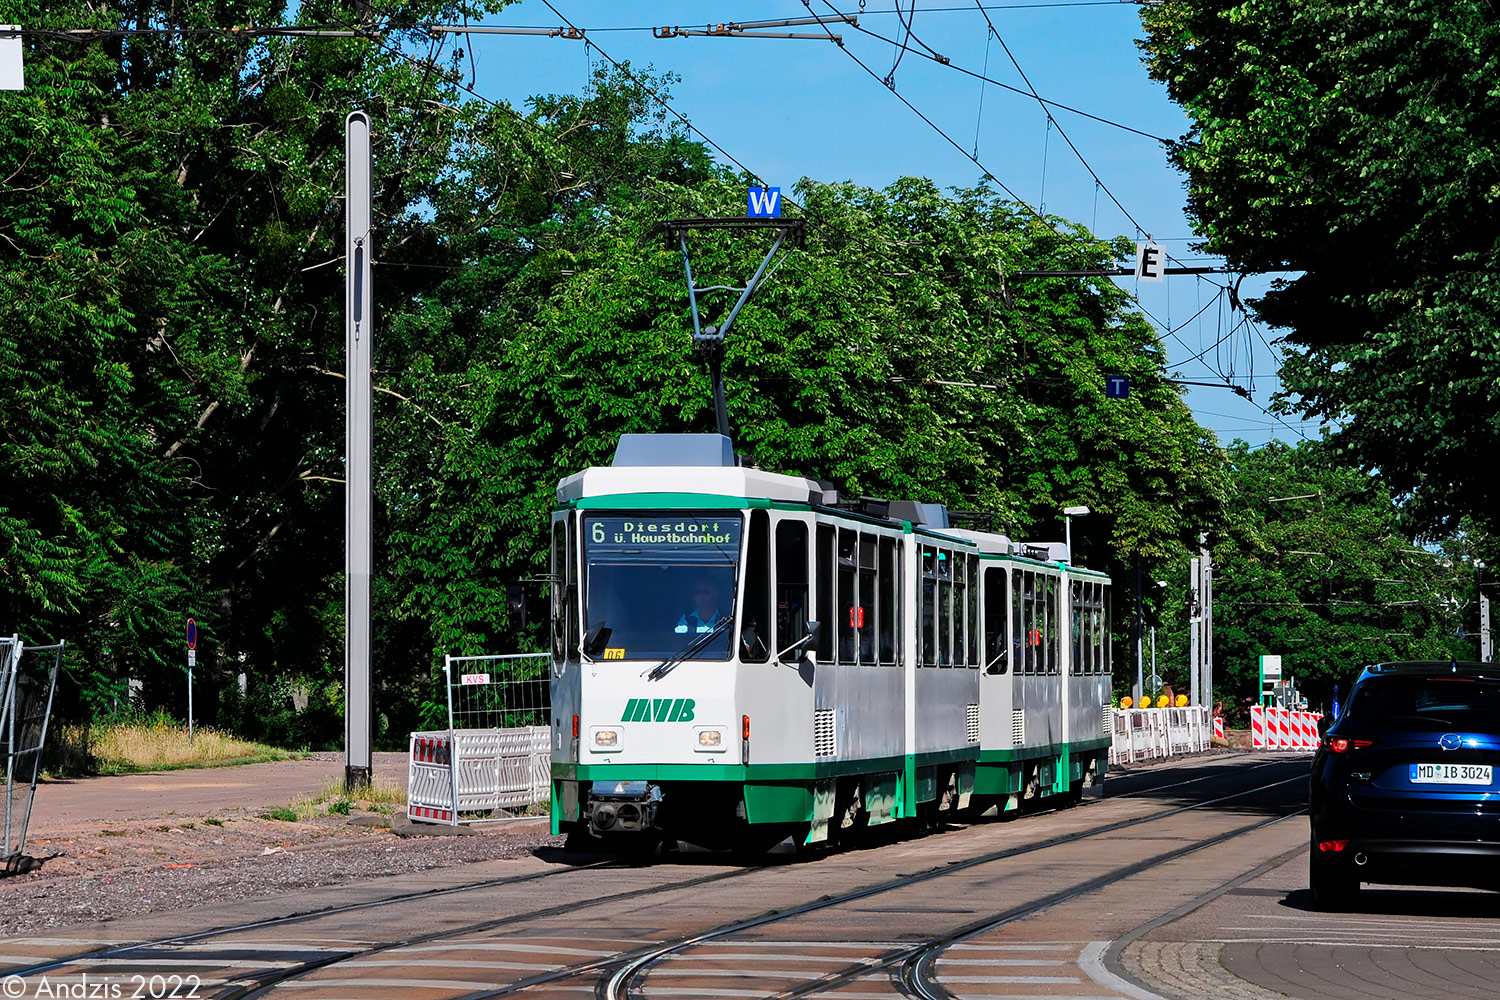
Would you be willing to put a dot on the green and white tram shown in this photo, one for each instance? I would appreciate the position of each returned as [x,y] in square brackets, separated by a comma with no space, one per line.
[738,658]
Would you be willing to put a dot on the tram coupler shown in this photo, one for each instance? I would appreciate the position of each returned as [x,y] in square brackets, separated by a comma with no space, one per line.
[622,806]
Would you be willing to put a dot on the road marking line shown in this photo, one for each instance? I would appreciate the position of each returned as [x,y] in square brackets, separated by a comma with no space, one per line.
[769,957]
[746,973]
[1482,946]
[445,964]
[1010,947]
[408,984]
[771,942]
[190,963]
[1029,980]
[505,946]
[944,960]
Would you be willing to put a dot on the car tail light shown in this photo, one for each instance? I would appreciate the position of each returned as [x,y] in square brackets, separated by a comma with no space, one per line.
[575,727]
[1331,846]
[1337,744]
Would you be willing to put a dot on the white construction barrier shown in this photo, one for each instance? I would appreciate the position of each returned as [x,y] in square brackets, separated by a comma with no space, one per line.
[465,775]
[1152,733]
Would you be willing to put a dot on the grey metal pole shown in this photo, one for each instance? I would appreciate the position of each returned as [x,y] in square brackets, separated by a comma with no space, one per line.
[190,697]
[1207,651]
[1195,621]
[1140,679]
[1485,649]
[452,739]
[358,330]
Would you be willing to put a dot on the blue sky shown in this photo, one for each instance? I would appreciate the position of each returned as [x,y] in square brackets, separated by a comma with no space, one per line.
[793,108]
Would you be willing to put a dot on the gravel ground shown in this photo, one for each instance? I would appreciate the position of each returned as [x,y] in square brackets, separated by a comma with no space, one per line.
[102,877]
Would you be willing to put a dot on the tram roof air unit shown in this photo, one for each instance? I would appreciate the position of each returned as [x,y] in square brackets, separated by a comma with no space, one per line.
[931,515]
[714,451]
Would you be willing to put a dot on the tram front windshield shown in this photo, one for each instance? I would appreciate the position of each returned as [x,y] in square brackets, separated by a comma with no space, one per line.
[660,583]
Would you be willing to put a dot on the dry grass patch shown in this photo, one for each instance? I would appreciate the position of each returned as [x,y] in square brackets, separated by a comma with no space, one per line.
[381,797]
[158,745]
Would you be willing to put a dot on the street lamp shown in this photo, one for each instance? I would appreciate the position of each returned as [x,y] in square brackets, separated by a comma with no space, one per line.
[1068,514]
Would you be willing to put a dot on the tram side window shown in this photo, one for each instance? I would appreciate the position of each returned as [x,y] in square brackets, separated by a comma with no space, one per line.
[755,622]
[1054,638]
[975,657]
[887,611]
[1097,628]
[1018,622]
[1075,627]
[866,611]
[825,594]
[996,616]
[1102,636]
[1025,613]
[945,607]
[960,609]
[559,588]
[791,583]
[929,606]
[848,609]
[1091,627]
[571,610]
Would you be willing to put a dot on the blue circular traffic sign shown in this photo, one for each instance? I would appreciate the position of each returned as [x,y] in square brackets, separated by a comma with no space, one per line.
[192,634]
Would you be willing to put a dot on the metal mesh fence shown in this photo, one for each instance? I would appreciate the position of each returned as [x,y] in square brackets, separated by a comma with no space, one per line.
[26,688]
[503,691]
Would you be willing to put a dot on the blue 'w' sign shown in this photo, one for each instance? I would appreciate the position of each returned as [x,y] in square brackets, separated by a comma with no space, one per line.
[764,203]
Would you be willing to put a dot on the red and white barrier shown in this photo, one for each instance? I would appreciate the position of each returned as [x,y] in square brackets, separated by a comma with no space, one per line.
[1218,727]
[1281,729]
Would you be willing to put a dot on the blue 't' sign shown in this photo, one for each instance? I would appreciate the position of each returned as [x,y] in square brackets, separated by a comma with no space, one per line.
[1116,387]
[764,203]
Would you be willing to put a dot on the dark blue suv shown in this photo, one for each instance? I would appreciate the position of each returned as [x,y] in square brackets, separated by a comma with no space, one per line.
[1404,783]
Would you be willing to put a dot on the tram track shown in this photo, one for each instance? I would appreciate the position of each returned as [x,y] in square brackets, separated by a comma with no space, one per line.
[624,981]
[293,918]
[613,970]
[616,970]
[918,968]
[92,962]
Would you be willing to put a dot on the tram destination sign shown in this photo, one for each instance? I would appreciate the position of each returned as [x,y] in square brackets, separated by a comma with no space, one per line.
[678,534]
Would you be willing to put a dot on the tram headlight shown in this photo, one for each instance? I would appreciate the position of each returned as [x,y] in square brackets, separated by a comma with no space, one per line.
[710,739]
[606,739]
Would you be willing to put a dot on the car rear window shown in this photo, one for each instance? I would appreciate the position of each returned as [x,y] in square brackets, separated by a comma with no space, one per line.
[1441,702]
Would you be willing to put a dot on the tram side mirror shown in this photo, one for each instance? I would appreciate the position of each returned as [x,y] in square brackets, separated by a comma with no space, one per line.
[795,650]
[596,638]
[515,604]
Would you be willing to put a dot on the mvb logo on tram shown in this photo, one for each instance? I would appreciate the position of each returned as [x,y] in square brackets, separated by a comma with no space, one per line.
[658,710]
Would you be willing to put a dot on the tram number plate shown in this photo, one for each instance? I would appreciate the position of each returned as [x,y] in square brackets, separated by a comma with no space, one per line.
[1452,774]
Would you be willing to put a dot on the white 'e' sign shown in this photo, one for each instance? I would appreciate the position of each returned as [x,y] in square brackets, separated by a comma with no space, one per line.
[1150,262]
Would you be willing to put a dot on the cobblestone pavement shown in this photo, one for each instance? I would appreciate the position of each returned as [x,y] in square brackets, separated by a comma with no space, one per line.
[1262,939]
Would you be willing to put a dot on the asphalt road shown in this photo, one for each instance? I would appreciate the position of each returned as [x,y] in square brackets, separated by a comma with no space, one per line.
[1186,880]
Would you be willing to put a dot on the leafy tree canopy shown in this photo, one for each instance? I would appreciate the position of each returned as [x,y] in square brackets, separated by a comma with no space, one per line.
[1317,567]
[171,348]
[1353,145]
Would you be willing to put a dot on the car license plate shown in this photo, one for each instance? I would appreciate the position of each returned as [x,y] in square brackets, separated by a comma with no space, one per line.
[1452,774]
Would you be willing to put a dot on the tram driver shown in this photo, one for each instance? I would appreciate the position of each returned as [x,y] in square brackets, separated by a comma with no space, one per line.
[704,614]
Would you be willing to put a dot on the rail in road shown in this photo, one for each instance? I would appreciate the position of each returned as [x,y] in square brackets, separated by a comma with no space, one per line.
[863,922]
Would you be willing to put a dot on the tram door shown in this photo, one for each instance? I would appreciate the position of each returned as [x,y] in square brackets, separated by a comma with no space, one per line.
[995,675]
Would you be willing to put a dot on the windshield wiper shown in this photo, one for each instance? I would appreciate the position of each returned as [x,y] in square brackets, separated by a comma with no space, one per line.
[692,649]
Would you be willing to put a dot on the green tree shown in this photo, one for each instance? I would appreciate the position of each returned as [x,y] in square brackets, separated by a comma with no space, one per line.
[1352,145]
[171,346]
[1318,567]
